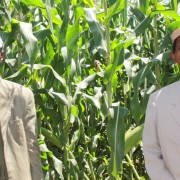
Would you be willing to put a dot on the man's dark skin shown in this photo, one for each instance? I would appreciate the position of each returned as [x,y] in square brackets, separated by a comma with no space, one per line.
[1,52]
[175,54]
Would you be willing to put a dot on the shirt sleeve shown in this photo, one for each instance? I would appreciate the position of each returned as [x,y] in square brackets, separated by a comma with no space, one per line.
[31,137]
[154,162]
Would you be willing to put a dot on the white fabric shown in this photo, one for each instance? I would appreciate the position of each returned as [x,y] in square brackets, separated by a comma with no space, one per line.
[18,132]
[2,165]
[161,136]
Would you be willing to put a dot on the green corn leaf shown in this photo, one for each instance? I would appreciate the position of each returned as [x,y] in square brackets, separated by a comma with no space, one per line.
[71,41]
[30,41]
[174,4]
[59,97]
[144,5]
[111,69]
[115,133]
[56,75]
[58,166]
[52,16]
[118,6]
[89,3]
[42,34]
[57,163]
[143,25]
[97,30]
[72,36]
[167,13]
[132,138]
[174,25]
[52,138]
[115,8]
[74,140]
[37,3]
[49,15]
[92,99]
[18,74]
[134,101]
[83,84]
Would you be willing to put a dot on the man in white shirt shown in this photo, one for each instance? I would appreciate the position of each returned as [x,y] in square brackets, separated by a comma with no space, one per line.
[19,149]
[161,136]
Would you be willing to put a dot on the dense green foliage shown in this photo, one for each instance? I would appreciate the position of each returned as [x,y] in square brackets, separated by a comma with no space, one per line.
[91,65]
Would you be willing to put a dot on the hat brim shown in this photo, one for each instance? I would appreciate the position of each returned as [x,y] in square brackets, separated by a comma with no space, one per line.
[175,34]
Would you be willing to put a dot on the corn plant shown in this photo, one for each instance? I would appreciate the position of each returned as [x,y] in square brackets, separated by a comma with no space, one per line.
[91,65]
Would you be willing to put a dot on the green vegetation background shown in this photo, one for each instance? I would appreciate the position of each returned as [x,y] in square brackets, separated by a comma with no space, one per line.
[91,65]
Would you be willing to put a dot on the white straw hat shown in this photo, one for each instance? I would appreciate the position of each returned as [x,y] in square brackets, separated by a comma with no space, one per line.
[175,34]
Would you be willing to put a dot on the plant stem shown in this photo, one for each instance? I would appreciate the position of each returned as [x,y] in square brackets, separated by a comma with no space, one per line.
[133,168]
[87,150]
[157,67]
[108,57]
[125,14]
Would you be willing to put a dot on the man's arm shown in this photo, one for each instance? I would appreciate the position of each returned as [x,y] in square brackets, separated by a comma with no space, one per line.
[154,161]
[31,137]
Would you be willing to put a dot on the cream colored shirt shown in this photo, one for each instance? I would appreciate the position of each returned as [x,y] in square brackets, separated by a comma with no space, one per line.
[19,133]
[2,163]
[161,137]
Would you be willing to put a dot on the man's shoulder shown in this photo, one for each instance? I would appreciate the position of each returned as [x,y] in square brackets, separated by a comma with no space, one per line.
[9,84]
[15,87]
[167,91]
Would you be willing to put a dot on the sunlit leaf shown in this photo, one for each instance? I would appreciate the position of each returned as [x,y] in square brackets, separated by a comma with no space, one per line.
[58,166]
[132,138]
[97,30]
[89,3]
[30,41]
[37,3]
[59,97]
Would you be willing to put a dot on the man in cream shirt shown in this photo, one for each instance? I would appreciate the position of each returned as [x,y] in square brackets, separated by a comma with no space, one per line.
[161,136]
[19,150]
